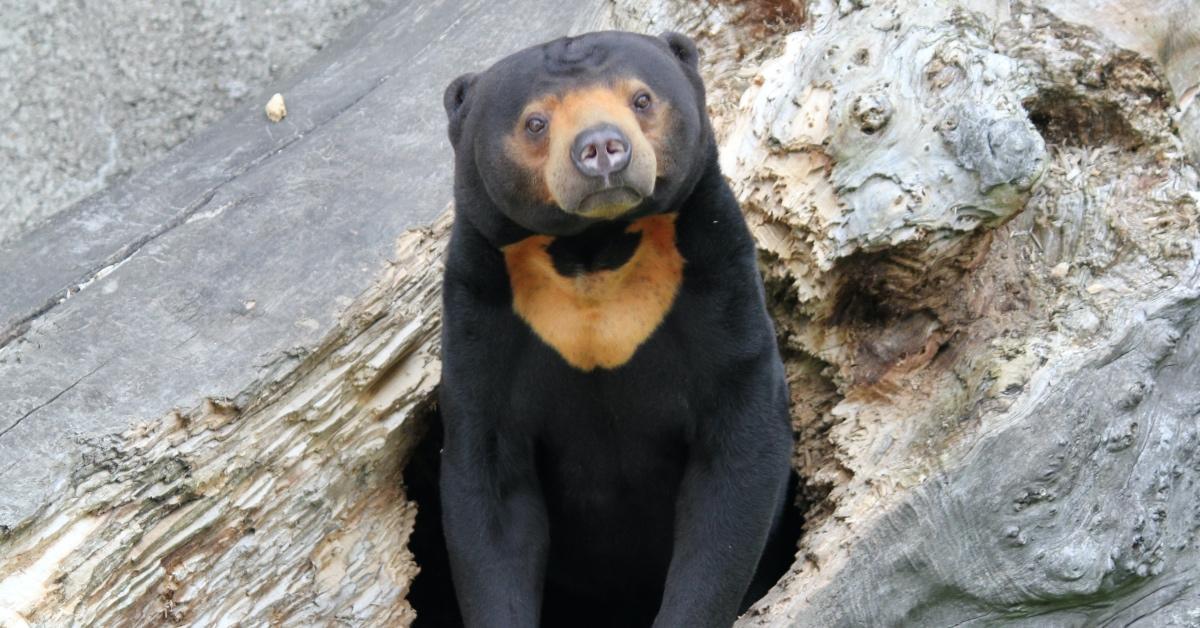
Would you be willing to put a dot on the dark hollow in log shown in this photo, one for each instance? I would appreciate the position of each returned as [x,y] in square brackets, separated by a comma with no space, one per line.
[432,593]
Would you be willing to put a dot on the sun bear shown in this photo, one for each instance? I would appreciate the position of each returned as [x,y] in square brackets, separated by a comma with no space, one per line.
[616,433]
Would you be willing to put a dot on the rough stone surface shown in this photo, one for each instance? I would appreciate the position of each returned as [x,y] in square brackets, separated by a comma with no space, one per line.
[92,91]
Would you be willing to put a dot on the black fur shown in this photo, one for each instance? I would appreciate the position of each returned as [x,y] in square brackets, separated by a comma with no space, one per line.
[652,487]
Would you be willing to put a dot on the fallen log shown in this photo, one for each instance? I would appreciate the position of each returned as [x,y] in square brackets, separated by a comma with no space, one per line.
[978,225]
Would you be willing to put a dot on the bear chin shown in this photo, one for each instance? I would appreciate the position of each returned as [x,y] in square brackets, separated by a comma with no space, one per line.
[609,204]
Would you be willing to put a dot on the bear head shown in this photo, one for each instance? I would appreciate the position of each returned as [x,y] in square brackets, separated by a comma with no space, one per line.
[578,131]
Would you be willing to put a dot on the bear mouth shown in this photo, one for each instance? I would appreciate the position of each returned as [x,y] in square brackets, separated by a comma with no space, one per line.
[608,203]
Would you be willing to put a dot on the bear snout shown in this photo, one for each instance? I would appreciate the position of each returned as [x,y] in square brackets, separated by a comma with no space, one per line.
[601,151]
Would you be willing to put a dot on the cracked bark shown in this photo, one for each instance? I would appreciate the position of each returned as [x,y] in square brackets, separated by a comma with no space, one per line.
[978,224]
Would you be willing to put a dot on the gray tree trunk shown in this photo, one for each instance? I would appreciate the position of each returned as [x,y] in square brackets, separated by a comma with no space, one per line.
[980,228]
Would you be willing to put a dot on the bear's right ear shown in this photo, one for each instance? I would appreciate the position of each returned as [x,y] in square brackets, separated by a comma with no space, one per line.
[455,100]
[683,48]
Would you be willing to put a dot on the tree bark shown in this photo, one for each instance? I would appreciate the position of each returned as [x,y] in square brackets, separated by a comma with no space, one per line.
[978,226]
[979,223]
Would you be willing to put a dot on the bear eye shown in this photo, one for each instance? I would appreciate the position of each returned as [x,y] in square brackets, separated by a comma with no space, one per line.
[641,102]
[535,124]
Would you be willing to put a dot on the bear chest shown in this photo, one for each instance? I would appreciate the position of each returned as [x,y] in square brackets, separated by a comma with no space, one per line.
[599,318]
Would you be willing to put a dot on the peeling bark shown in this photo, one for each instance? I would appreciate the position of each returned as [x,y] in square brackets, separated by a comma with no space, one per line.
[288,511]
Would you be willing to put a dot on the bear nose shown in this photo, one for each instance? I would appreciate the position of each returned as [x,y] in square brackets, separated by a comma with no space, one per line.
[600,151]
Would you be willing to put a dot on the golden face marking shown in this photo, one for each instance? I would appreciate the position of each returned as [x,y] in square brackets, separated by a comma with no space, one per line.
[546,156]
[601,318]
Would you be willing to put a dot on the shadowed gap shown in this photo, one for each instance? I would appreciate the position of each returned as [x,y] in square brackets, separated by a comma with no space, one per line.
[432,593]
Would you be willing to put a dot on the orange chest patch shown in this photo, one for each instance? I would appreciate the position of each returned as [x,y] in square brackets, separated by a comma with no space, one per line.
[600,318]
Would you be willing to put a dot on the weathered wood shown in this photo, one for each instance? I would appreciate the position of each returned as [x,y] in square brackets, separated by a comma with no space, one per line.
[980,231]
[288,510]
[208,374]
[980,228]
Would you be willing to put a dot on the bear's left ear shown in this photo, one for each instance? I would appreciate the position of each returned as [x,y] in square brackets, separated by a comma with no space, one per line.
[683,48]
[455,100]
